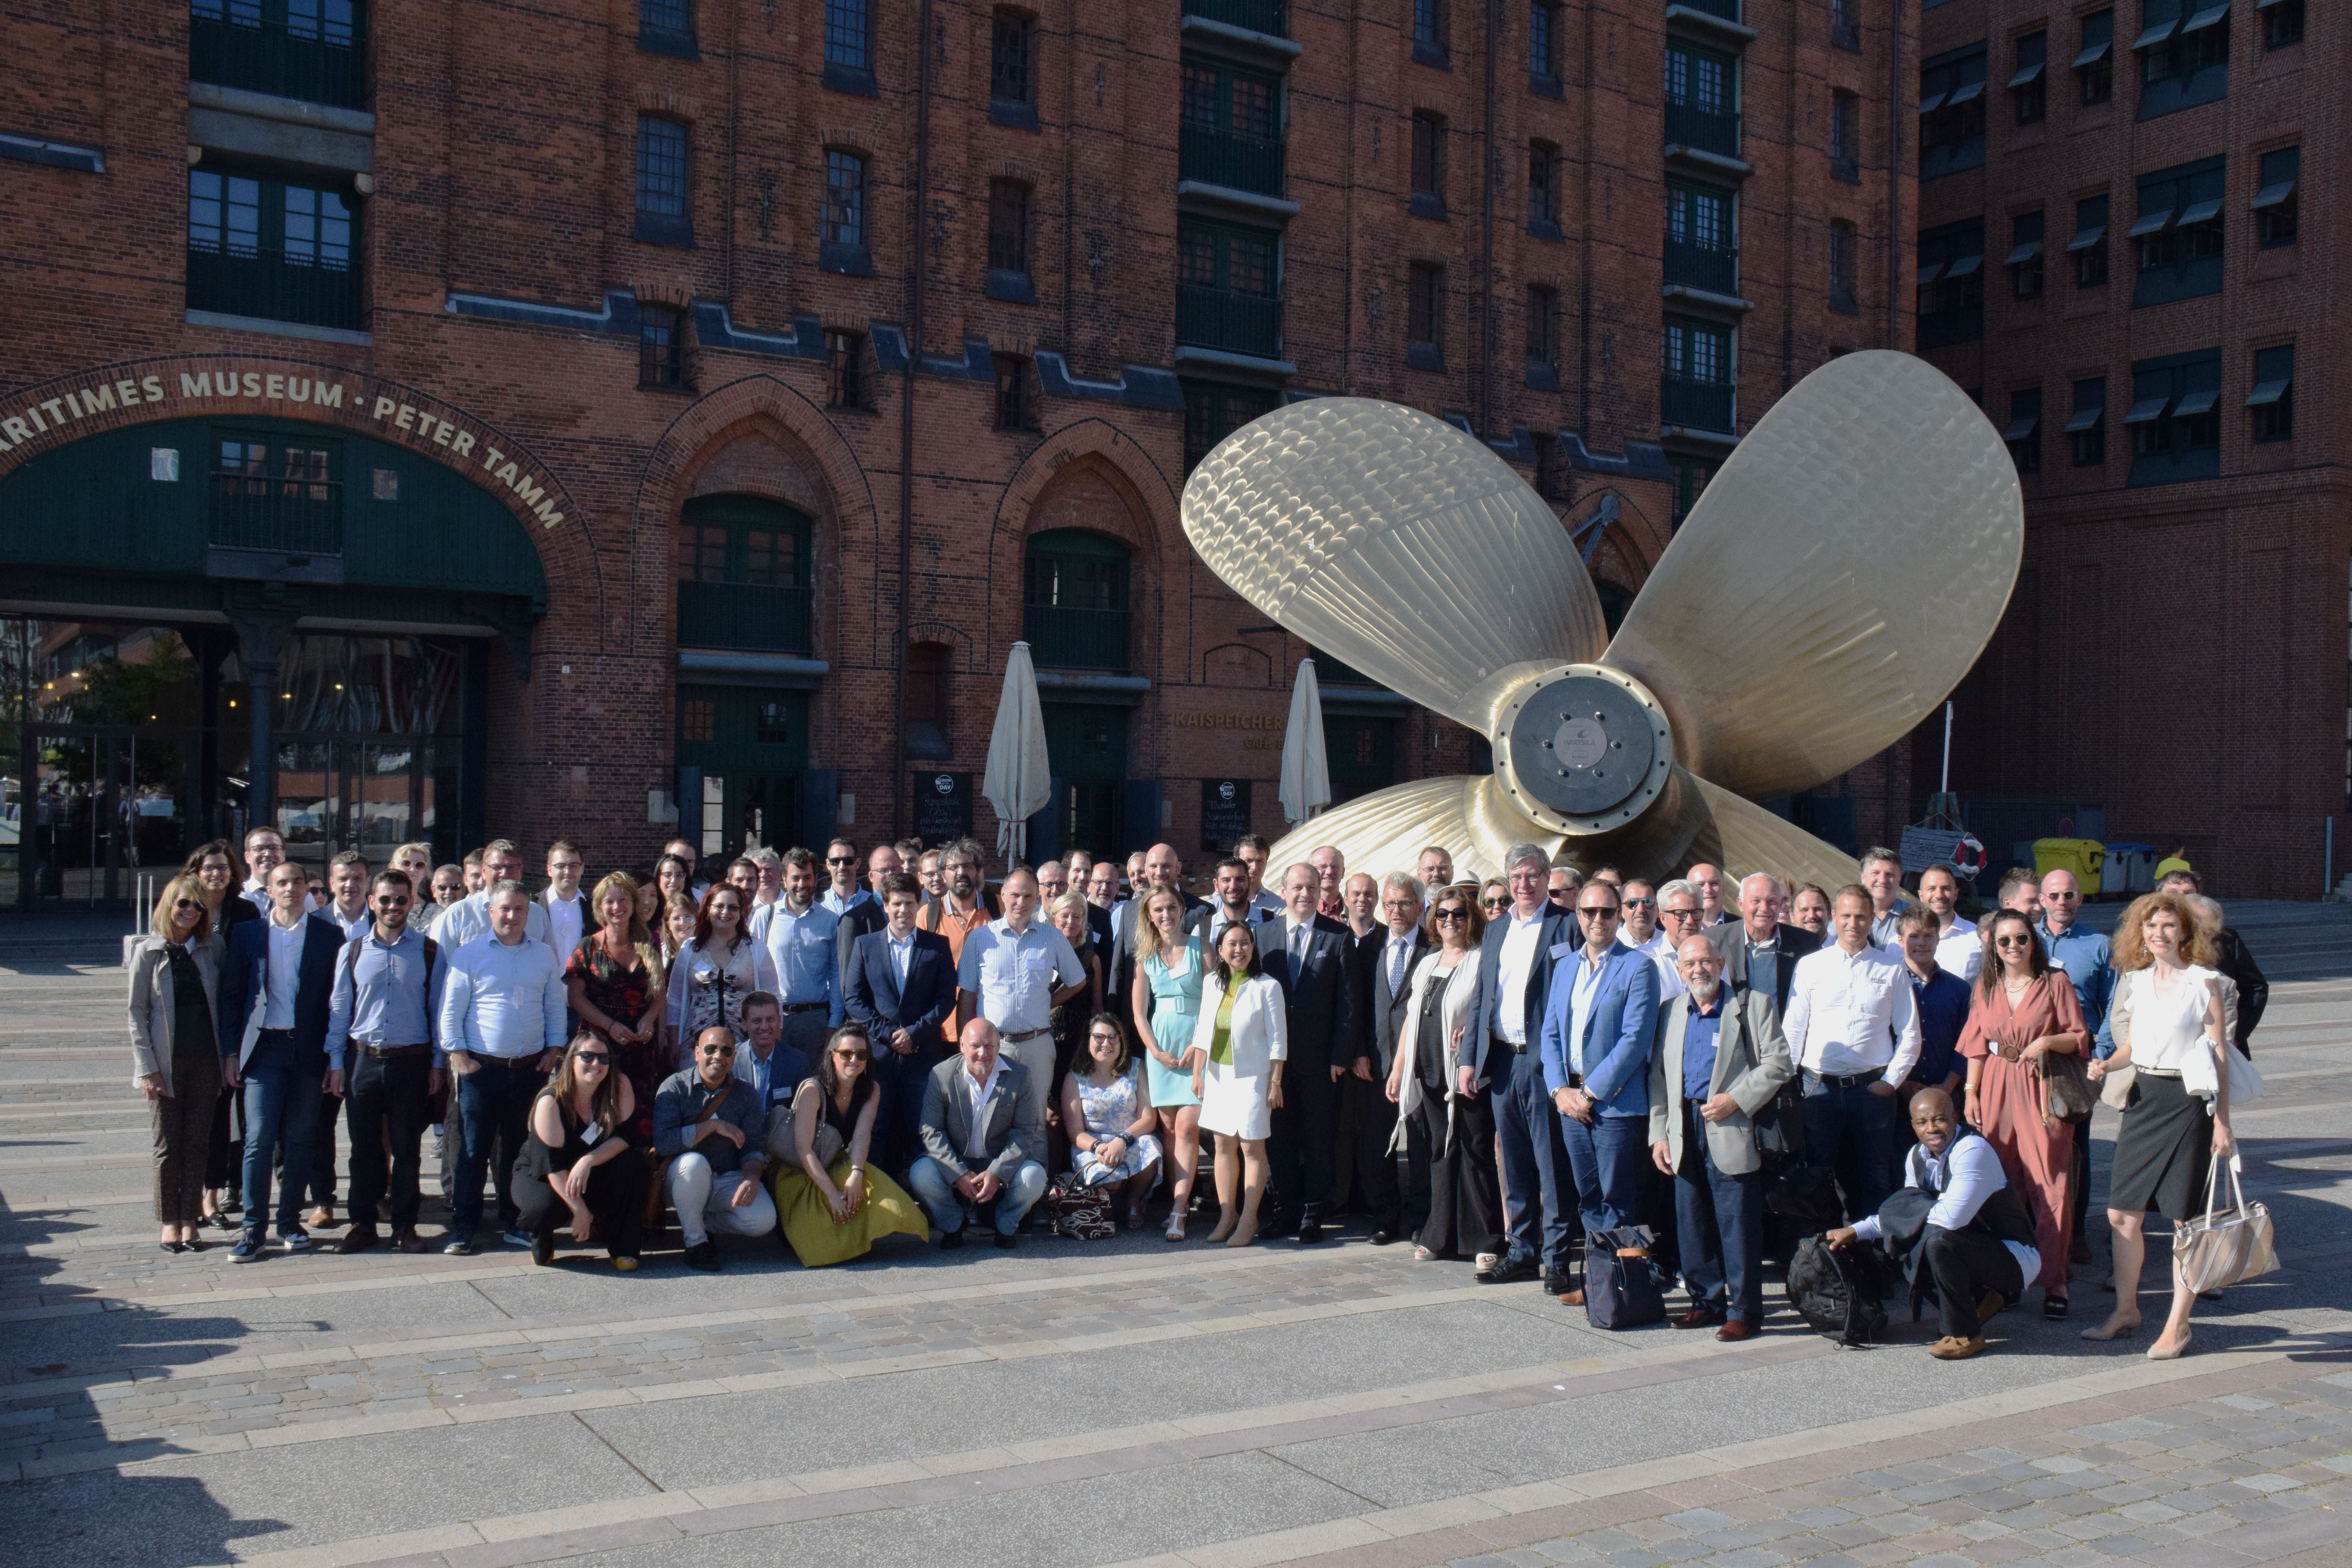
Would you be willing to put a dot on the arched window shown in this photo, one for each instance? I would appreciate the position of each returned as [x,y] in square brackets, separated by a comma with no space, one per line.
[743,575]
[930,668]
[1074,612]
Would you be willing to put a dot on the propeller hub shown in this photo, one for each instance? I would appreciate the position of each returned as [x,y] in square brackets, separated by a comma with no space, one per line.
[1583,748]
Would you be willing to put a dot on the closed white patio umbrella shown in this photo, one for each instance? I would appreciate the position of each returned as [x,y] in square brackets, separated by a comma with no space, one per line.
[1019,780]
[1306,766]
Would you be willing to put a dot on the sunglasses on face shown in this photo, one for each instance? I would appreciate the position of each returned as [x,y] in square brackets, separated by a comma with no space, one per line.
[840,860]
[2012,941]
[849,1056]
[1600,912]
[1451,917]
[179,904]
[1641,904]
[594,1058]
[1492,903]
[2060,898]
[718,1051]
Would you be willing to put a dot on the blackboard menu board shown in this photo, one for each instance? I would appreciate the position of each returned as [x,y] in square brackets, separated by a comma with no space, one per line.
[942,807]
[1224,814]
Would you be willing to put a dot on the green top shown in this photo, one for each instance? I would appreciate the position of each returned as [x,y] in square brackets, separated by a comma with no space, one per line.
[1221,1043]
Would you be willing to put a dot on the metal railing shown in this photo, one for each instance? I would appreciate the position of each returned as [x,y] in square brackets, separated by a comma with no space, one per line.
[1700,404]
[747,616]
[264,284]
[1230,158]
[1221,318]
[1257,15]
[318,59]
[1066,638]
[1715,268]
[1707,130]
[297,517]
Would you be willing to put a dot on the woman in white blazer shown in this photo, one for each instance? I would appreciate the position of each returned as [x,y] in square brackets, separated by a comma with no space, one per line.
[1238,1047]
[1466,1198]
[176,1051]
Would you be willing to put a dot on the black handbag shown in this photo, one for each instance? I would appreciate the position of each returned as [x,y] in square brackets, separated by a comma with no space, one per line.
[1620,1290]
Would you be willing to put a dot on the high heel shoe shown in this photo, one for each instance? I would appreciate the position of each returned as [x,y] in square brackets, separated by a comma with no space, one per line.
[1245,1233]
[2103,1332]
[2157,1352]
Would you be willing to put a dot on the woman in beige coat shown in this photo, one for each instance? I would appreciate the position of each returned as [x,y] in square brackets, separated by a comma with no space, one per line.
[175,1052]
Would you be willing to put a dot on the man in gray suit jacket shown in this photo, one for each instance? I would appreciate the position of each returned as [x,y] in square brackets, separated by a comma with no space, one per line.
[1721,1057]
[1387,956]
[980,1147]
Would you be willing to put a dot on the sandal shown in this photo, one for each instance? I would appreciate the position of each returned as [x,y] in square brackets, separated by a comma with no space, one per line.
[1175,1231]
[1134,1219]
[2053,1309]
[1423,1254]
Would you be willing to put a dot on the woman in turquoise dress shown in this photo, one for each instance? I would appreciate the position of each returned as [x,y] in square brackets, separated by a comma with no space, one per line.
[1167,1010]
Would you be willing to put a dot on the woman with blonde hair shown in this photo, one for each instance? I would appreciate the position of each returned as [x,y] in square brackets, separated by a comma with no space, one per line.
[578,1158]
[1466,1198]
[1166,1002]
[614,981]
[1239,1045]
[175,1055]
[2167,1010]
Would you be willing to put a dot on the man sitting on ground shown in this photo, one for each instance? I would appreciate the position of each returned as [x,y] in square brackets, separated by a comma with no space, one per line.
[711,1127]
[981,1137]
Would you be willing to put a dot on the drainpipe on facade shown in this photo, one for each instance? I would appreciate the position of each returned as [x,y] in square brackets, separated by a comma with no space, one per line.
[1894,178]
[1486,333]
[918,251]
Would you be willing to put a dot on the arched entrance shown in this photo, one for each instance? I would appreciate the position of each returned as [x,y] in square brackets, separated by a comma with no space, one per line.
[237,618]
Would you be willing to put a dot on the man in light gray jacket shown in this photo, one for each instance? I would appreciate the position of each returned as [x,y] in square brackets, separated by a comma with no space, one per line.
[983,1135]
[1720,1058]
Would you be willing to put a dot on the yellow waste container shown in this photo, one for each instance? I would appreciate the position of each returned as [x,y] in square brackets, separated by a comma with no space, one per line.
[2083,856]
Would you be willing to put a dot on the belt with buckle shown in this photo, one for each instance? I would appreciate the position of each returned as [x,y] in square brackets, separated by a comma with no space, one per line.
[802,1006]
[1517,1048]
[1015,1038]
[391,1053]
[1848,1081]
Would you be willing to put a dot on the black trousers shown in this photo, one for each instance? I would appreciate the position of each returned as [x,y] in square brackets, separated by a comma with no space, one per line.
[388,1105]
[1305,1126]
[1964,1265]
[1370,1129]
[616,1197]
[1465,1187]
[225,1162]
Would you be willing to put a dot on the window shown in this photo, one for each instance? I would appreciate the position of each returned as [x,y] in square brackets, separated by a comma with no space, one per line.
[2095,61]
[1228,288]
[2086,428]
[2184,54]
[1951,283]
[841,224]
[744,573]
[2274,201]
[2281,22]
[1011,73]
[1015,409]
[2178,234]
[664,28]
[272,249]
[698,719]
[1425,316]
[1543,328]
[1543,190]
[1701,249]
[2273,398]
[1075,599]
[1951,112]
[2024,259]
[661,346]
[1691,475]
[2028,84]
[1698,391]
[1843,241]
[1229,128]
[1213,410]
[1429,31]
[1845,137]
[2174,420]
[1008,242]
[848,36]
[1845,30]
[2089,246]
[662,213]
[931,683]
[307,50]
[1544,43]
[2023,432]
[1702,100]
[844,370]
[1429,164]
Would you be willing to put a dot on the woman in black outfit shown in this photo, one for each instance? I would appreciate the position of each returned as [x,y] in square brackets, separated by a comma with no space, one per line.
[577,1159]
[215,866]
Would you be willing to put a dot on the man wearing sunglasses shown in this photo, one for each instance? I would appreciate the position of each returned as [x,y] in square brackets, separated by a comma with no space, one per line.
[1501,1049]
[711,1128]
[380,1057]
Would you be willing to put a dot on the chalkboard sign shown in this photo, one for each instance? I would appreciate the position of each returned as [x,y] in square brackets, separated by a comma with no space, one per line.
[942,807]
[1224,814]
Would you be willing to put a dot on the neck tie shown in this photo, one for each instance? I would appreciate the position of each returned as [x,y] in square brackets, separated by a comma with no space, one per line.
[1397,950]
[1298,950]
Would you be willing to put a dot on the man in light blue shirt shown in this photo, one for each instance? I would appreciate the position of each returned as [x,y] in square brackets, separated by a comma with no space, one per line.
[379,1029]
[1014,972]
[502,1024]
[842,893]
[803,942]
[470,916]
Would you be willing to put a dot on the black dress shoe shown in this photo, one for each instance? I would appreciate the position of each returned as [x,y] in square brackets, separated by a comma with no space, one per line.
[359,1239]
[1007,1239]
[950,1240]
[1506,1272]
[543,1248]
[1558,1281]
[1384,1237]
[704,1256]
[1310,1231]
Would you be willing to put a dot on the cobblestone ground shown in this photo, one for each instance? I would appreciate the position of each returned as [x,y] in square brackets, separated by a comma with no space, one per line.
[1118,1402]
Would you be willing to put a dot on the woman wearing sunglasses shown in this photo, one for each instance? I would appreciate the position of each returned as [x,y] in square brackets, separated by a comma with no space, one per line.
[1465,1196]
[2024,1014]
[578,1158]
[174,1054]
[834,1208]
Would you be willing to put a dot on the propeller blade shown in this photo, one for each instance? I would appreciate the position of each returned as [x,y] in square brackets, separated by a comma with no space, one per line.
[1394,541]
[1386,830]
[1744,838]
[1844,569]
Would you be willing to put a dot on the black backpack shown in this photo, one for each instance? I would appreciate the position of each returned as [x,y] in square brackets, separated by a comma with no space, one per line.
[1620,1288]
[1841,1291]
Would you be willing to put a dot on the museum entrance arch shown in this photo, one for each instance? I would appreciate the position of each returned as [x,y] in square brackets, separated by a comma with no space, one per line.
[234,618]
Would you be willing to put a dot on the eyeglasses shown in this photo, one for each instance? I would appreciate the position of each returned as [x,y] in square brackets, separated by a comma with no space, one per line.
[1599,912]
[849,1056]
[594,1058]
[718,1051]
[179,904]
[1492,903]
[1641,904]
[2012,941]
[841,860]
[1676,914]
[2061,898]
[1455,916]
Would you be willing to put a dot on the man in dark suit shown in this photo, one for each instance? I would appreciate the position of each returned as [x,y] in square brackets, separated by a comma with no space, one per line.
[1388,960]
[1501,1053]
[867,916]
[901,984]
[1761,940]
[277,991]
[1307,954]
[1162,867]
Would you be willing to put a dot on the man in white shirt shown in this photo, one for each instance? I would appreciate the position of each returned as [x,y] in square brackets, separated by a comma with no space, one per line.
[1501,1052]
[1014,971]
[1709,881]
[347,900]
[1643,907]
[566,905]
[1853,1028]
[502,1022]
[1957,949]
[470,916]
[984,1148]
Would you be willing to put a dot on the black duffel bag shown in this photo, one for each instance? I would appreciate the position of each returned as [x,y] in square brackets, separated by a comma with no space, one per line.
[1620,1288]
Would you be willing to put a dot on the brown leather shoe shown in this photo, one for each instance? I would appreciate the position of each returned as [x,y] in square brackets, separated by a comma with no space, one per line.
[359,1239]
[1696,1317]
[1734,1331]
[320,1218]
[409,1241]
[1953,1348]
[1571,1297]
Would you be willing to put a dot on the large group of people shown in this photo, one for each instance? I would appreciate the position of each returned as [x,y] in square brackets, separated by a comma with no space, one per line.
[843,1048]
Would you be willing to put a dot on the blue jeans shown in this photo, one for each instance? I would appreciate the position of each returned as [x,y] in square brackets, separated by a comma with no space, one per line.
[1719,1223]
[494,1104]
[281,1100]
[1604,1160]
[1851,1130]
[1527,1131]
[934,1186]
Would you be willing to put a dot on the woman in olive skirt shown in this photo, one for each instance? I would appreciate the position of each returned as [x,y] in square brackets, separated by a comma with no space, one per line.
[2168,1008]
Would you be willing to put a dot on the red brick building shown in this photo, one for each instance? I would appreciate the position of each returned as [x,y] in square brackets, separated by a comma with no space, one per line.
[556,419]
[2127,243]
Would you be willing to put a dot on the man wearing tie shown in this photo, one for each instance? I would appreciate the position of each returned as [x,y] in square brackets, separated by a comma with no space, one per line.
[901,986]
[1514,978]
[1307,954]
[1400,945]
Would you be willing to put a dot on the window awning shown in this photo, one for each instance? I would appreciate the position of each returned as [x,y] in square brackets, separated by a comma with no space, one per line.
[1967,92]
[2147,410]
[2158,34]
[2021,428]
[1930,272]
[2201,211]
[2205,18]
[1963,266]
[2023,253]
[2084,418]
[2088,237]
[2271,196]
[1932,102]
[2192,404]
[2027,75]
[2093,54]
[2266,4]
[2153,223]
[2266,393]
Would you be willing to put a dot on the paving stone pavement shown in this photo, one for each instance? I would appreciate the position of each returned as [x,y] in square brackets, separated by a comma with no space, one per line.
[1206,1408]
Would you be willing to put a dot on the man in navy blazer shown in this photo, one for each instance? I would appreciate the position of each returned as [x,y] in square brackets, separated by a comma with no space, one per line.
[277,988]
[1307,956]
[1599,1022]
[1501,1054]
[900,983]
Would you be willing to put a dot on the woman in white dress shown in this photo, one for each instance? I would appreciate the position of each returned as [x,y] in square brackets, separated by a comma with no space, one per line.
[1236,1055]
[2167,1010]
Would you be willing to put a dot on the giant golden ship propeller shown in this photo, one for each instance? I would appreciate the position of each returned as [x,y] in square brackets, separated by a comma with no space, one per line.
[1842,572]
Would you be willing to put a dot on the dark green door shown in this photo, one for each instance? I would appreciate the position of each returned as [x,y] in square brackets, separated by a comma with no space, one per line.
[1087,750]
[752,744]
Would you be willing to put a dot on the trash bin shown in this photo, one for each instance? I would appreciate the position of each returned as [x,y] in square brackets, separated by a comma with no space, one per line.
[2083,856]
[2131,871]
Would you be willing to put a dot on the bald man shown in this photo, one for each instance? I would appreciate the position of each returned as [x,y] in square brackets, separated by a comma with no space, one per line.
[1162,867]
[1708,880]
[1331,876]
